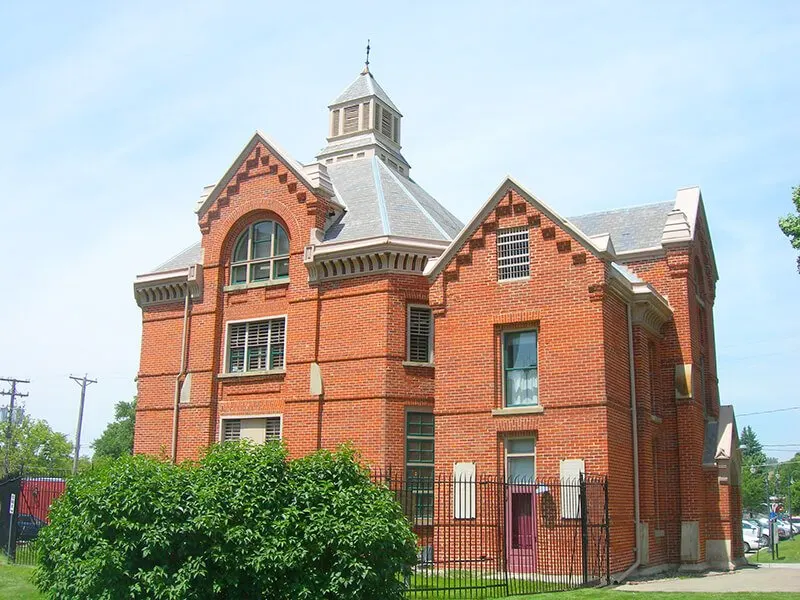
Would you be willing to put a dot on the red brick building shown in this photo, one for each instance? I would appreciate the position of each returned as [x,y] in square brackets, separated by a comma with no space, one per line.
[338,301]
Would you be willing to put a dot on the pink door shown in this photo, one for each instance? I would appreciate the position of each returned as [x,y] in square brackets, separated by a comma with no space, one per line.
[521,527]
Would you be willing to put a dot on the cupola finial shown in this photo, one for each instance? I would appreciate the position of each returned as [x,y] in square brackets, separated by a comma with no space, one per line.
[366,63]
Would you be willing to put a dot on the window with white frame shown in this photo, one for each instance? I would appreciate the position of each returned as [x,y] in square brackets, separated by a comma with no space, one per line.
[520,460]
[257,345]
[420,334]
[513,253]
[520,368]
[261,254]
[256,429]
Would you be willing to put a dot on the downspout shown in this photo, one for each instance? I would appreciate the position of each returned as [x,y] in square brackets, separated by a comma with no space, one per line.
[635,435]
[181,373]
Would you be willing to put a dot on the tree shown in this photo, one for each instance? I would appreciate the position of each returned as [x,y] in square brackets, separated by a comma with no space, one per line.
[36,447]
[754,471]
[790,472]
[117,439]
[244,522]
[790,224]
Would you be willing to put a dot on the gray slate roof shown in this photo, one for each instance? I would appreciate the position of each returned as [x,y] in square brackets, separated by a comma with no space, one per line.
[184,259]
[364,86]
[381,202]
[630,228]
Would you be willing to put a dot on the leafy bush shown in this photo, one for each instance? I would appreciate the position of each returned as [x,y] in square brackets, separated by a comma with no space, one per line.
[242,523]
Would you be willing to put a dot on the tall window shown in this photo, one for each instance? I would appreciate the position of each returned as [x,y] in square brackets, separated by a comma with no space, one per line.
[420,334]
[257,345]
[521,368]
[261,254]
[520,460]
[513,253]
[419,462]
[259,430]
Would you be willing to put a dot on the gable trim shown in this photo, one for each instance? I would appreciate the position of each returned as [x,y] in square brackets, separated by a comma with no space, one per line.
[259,137]
[509,183]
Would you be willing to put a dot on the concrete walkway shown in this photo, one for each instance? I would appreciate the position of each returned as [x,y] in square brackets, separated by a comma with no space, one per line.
[762,578]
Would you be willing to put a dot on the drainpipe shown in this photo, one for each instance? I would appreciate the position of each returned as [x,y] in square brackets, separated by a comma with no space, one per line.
[635,435]
[179,378]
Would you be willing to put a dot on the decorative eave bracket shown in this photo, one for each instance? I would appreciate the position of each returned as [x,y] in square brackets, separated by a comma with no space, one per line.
[649,309]
[171,286]
[378,255]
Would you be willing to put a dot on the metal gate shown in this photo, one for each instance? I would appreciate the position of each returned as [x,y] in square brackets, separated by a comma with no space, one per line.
[25,501]
[489,538]
[9,499]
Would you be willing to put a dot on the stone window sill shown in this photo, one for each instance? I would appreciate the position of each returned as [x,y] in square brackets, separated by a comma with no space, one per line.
[245,374]
[411,363]
[518,410]
[258,284]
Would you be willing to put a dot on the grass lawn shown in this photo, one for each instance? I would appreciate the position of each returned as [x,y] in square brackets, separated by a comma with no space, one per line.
[602,594]
[788,551]
[15,583]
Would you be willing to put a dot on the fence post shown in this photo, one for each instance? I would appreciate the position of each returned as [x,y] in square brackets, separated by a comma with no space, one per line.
[608,532]
[584,528]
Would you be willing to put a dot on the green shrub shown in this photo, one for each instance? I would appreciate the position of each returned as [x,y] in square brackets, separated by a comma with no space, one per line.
[242,523]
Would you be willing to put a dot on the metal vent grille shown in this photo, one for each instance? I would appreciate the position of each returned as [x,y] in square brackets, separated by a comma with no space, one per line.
[513,253]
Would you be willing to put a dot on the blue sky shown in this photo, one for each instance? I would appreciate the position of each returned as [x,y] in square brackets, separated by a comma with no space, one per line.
[113,116]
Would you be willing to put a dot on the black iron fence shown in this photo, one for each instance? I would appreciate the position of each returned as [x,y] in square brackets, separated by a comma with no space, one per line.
[25,500]
[481,538]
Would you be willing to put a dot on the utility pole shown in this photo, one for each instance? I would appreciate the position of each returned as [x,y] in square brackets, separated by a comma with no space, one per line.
[10,422]
[83,382]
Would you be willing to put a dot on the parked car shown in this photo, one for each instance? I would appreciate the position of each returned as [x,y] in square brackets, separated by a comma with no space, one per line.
[796,525]
[783,529]
[28,527]
[751,537]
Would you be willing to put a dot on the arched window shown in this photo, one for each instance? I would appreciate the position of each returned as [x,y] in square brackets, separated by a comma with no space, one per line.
[261,254]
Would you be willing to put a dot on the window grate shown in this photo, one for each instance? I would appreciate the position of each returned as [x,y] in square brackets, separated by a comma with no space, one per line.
[232,430]
[257,345]
[513,253]
[419,334]
[273,429]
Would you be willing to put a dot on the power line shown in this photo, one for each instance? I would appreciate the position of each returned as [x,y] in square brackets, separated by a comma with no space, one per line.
[765,412]
[84,382]
[14,395]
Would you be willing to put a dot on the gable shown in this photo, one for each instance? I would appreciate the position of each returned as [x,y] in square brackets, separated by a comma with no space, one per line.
[260,156]
[511,199]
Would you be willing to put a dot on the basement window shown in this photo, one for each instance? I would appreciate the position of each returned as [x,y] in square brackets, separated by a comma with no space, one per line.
[256,345]
[513,254]
[258,429]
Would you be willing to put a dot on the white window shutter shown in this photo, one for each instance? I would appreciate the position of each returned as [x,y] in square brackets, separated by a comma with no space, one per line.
[464,490]
[570,471]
